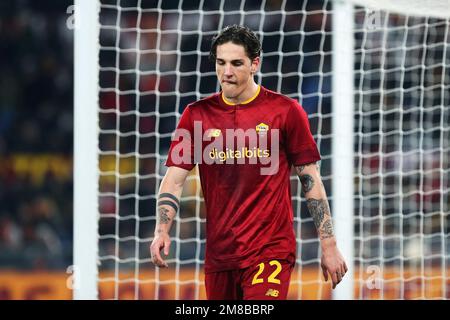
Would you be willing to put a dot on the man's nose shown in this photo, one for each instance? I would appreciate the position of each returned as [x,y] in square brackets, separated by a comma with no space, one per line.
[228,70]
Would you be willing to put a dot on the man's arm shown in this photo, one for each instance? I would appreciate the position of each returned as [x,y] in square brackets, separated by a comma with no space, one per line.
[168,204]
[316,199]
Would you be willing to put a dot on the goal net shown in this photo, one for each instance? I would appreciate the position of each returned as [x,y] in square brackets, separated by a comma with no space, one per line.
[402,116]
[153,60]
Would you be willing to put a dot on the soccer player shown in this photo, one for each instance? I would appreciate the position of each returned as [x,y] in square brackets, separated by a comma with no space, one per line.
[250,239]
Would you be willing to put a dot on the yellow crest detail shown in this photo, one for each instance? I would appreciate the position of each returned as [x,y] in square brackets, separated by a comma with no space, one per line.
[262,128]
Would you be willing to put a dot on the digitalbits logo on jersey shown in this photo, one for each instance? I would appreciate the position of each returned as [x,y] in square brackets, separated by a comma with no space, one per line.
[228,146]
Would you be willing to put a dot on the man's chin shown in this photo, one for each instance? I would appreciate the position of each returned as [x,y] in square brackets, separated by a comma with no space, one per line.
[229,94]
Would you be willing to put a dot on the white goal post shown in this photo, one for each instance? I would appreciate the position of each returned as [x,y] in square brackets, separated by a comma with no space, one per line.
[342,148]
[85,168]
[374,78]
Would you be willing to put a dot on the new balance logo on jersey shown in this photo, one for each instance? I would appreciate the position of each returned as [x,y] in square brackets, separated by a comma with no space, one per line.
[214,133]
[272,293]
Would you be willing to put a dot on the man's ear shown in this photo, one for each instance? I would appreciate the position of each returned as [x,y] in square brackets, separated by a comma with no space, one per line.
[255,64]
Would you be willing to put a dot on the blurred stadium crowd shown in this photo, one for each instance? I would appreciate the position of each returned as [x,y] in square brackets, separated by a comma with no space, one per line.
[36,129]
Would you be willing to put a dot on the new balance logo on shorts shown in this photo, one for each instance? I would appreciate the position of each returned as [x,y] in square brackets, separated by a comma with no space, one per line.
[272,293]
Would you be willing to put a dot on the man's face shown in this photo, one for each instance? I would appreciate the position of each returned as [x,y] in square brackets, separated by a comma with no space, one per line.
[234,69]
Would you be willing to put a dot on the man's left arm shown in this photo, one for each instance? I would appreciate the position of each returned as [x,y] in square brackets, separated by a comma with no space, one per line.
[332,261]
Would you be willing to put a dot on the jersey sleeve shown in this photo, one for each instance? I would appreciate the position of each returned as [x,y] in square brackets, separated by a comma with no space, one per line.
[181,151]
[300,145]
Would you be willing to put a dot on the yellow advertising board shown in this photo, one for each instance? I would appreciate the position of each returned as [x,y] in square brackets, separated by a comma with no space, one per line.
[307,285]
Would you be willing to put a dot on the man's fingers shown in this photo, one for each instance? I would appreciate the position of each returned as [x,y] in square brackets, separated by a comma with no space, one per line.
[325,273]
[156,256]
[166,247]
[343,269]
[163,264]
[334,279]
[337,277]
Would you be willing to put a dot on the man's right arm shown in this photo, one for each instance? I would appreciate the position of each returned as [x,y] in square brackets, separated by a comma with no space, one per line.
[168,203]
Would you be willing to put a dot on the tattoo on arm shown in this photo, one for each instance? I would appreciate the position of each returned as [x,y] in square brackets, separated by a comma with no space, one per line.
[166,199]
[163,217]
[299,169]
[317,211]
[306,179]
[168,203]
[327,229]
[307,182]
[170,196]
[320,212]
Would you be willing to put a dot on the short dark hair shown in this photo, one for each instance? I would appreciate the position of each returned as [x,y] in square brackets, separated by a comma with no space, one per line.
[239,35]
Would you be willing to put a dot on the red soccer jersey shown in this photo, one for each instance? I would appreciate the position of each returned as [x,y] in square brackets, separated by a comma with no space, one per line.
[249,215]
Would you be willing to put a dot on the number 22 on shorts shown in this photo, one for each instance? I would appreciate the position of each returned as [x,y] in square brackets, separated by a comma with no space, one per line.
[273,276]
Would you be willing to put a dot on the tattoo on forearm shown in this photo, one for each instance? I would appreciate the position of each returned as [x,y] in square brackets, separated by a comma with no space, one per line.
[306,179]
[307,182]
[317,210]
[299,169]
[168,203]
[170,196]
[170,200]
[163,217]
[327,229]
[320,212]
[166,199]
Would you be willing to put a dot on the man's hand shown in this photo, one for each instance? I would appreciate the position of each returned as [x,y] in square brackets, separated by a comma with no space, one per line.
[167,207]
[332,262]
[161,241]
